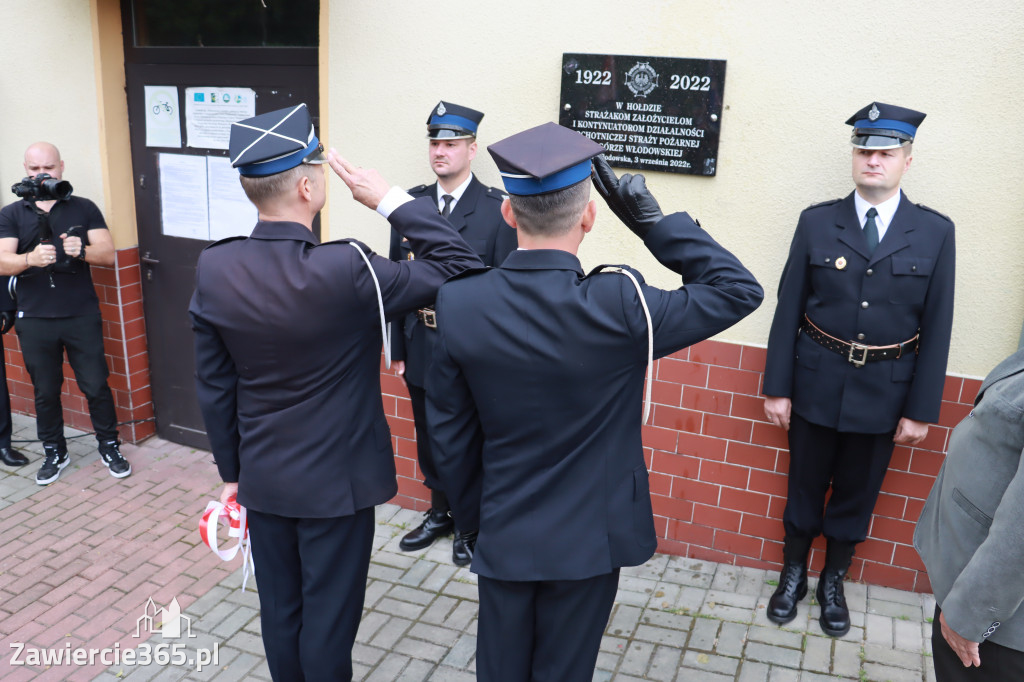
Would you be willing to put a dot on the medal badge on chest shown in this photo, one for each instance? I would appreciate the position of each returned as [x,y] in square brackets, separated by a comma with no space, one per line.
[840,263]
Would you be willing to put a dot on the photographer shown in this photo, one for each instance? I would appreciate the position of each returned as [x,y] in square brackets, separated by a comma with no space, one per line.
[48,240]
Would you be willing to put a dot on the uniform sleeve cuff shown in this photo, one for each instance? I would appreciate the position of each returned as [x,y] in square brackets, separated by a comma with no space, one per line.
[395,197]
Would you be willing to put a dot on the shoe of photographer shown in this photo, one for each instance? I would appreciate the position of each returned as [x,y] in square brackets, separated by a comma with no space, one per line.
[54,460]
[115,461]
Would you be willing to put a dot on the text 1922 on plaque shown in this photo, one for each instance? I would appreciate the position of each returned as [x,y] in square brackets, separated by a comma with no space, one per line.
[651,113]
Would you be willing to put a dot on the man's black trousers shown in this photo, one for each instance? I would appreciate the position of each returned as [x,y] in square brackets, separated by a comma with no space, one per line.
[853,464]
[44,341]
[542,630]
[312,580]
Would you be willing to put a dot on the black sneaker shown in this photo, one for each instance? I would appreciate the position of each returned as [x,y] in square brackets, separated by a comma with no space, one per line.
[54,459]
[115,461]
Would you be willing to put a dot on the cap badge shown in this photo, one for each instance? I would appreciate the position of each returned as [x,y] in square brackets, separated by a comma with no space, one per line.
[874,113]
[441,110]
[840,263]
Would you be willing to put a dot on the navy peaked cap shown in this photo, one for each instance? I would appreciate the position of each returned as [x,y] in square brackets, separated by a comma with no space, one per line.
[274,142]
[449,121]
[543,159]
[884,126]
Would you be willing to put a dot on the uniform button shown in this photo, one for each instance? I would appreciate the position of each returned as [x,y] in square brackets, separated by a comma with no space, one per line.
[860,337]
[864,304]
[913,268]
[828,260]
[869,272]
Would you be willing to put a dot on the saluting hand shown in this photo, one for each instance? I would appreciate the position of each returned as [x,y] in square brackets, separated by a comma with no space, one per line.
[627,197]
[367,185]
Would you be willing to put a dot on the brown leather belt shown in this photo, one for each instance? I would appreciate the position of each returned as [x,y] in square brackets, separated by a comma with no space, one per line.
[857,353]
[428,317]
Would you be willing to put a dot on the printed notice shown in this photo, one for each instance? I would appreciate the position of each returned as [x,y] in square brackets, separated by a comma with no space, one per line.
[183,207]
[163,126]
[651,113]
[231,212]
[210,111]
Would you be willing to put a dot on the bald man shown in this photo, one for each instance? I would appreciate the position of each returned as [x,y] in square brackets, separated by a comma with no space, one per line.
[47,245]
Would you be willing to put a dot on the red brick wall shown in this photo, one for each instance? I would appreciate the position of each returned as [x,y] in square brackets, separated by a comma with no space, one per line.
[718,468]
[119,289]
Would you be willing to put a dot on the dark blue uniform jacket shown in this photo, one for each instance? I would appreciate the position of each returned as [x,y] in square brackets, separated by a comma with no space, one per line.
[288,340]
[904,287]
[536,394]
[477,217]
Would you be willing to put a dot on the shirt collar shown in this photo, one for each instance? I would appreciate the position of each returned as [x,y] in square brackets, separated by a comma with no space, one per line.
[886,210]
[456,194]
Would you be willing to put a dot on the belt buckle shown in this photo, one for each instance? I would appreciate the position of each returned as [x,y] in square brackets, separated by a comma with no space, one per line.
[429,318]
[851,356]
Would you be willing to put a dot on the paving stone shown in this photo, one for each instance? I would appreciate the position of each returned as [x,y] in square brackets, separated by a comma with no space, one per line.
[846,658]
[892,657]
[875,671]
[704,635]
[664,663]
[624,620]
[636,658]
[666,619]
[756,651]
[732,638]
[878,629]
[818,654]
[776,637]
[709,662]
[460,654]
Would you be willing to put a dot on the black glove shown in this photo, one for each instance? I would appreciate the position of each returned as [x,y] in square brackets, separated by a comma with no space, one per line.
[6,321]
[627,197]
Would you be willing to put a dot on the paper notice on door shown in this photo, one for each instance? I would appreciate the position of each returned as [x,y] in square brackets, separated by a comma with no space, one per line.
[231,212]
[183,198]
[210,111]
[163,127]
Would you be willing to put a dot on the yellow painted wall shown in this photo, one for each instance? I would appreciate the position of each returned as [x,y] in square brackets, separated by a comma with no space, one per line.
[795,72]
[51,84]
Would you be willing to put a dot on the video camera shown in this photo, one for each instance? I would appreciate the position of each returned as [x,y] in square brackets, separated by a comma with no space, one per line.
[42,187]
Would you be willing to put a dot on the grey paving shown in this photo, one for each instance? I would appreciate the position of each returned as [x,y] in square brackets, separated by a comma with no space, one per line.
[675,619]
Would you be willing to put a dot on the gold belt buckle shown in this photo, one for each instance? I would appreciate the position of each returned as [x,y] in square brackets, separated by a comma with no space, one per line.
[852,357]
[428,317]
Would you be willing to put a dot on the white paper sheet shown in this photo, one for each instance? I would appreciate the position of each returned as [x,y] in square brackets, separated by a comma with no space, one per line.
[183,197]
[210,111]
[163,127]
[231,212]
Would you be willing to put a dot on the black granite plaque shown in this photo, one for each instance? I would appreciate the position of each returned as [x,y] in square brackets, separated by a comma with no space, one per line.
[651,113]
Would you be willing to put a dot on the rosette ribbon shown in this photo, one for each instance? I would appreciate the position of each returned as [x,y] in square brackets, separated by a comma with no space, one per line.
[238,527]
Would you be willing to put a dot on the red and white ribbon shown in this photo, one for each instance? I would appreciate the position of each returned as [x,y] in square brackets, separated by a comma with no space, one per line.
[238,527]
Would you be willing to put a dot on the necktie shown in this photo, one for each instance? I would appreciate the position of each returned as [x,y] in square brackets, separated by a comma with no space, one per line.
[448,199]
[871,230]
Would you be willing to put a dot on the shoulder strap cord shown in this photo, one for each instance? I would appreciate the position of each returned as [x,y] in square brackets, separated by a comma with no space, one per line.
[650,334]
[385,326]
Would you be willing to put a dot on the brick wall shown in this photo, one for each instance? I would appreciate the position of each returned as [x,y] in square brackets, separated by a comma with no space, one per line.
[718,468]
[119,289]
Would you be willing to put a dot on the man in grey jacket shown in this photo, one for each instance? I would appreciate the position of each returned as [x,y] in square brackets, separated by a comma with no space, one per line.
[971,537]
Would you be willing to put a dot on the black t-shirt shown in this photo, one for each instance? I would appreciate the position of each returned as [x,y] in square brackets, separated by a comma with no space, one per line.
[64,289]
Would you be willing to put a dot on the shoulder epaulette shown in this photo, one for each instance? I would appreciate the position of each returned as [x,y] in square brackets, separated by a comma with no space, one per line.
[225,241]
[418,189]
[497,194]
[346,240]
[469,273]
[605,268]
[824,203]
[932,210]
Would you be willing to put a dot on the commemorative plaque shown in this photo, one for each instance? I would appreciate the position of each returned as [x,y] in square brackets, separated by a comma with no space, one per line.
[650,113]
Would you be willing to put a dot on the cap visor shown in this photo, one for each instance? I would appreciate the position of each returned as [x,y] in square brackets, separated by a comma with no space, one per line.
[876,142]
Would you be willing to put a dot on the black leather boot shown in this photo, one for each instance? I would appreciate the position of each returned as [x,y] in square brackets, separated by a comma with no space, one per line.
[835,616]
[462,547]
[792,581]
[437,523]
[12,457]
